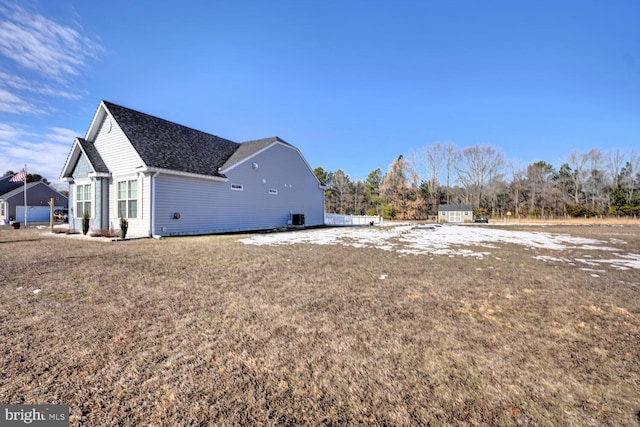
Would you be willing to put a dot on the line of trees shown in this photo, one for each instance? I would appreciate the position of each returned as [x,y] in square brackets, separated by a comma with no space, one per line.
[593,183]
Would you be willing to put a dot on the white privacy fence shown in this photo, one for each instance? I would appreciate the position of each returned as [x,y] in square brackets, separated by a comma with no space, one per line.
[337,219]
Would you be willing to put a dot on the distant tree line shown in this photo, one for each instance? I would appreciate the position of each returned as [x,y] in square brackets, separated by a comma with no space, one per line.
[593,183]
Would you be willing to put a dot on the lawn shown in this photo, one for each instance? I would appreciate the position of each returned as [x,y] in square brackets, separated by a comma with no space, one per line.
[391,325]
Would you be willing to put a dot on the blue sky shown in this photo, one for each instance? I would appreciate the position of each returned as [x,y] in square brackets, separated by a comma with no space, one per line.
[352,83]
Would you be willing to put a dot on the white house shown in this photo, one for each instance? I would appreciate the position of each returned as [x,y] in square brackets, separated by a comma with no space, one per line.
[168,179]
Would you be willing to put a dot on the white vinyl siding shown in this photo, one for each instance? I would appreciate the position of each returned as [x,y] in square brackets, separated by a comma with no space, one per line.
[207,206]
[140,224]
[122,159]
[116,151]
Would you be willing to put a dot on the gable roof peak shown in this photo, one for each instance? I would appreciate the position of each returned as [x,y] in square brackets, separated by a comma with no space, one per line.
[167,145]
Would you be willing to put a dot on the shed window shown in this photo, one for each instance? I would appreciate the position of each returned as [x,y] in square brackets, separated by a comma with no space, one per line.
[237,187]
[83,199]
[128,199]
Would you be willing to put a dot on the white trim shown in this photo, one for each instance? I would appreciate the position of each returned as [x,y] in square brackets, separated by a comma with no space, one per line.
[98,174]
[117,183]
[92,199]
[94,127]
[152,204]
[155,170]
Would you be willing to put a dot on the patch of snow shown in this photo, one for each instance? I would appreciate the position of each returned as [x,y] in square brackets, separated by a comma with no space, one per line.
[624,262]
[547,258]
[448,240]
[37,291]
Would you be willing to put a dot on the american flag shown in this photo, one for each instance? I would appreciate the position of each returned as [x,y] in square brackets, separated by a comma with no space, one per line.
[19,177]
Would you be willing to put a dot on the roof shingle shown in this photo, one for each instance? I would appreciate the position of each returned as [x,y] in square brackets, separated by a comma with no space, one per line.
[93,156]
[167,145]
[249,148]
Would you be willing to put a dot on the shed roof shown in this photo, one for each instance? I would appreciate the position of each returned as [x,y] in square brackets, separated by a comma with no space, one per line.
[455,208]
[30,185]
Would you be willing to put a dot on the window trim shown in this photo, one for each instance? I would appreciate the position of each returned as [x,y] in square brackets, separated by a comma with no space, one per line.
[128,199]
[91,199]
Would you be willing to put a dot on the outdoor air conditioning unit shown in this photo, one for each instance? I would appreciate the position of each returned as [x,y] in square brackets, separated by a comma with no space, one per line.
[297,219]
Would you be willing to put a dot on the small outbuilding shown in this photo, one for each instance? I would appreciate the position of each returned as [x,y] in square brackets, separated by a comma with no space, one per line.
[455,213]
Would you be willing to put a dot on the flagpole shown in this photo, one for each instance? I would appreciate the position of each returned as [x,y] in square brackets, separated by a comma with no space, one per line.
[25,196]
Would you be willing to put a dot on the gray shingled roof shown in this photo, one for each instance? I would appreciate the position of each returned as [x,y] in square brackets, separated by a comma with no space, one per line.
[93,156]
[249,148]
[167,145]
[454,208]
[20,189]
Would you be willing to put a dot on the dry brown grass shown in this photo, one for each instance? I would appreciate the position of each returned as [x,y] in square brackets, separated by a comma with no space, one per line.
[570,221]
[208,331]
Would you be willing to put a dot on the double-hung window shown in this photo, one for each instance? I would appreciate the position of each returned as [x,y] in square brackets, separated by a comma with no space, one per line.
[83,200]
[128,199]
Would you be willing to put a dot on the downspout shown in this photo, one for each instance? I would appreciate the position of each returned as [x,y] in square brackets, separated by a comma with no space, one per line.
[153,206]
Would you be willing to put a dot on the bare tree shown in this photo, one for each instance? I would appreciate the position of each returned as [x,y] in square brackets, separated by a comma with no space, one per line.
[595,182]
[427,163]
[481,164]
[577,162]
[358,198]
[615,160]
[430,159]
[518,175]
[451,158]
[541,188]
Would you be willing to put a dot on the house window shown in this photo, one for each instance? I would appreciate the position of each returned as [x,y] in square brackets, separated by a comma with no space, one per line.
[237,187]
[128,199]
[273,191]
[1,208]
[83,199]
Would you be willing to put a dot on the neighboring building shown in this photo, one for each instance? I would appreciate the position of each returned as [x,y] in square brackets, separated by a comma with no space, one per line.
[168,179]
[455,213]
[6,185]
[39,196]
